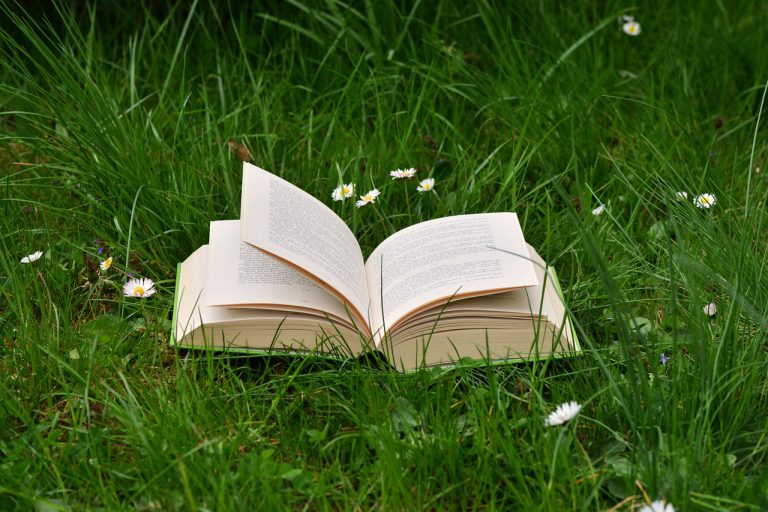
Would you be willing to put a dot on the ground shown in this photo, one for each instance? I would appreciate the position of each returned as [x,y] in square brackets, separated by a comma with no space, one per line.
[124,129]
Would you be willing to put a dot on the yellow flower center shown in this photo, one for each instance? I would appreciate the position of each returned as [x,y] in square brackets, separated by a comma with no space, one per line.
[345,190]
[705,200]
[138,291]
[107,263]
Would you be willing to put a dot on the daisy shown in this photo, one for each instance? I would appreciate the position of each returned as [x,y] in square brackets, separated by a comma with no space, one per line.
[370,197]
[426,185]
[599,210]
[402,173]
[32,257]
[710,309]
[141,288]
[631,28]
[705,201]
[658,506]
[682,196]
[563,414]
[343,191]
[104,265]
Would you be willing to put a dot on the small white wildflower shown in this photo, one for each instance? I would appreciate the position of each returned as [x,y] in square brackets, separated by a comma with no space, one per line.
[343,191]
[631,28]
[682,196]
[141,288]
[32,257]
[599,210]
[710,309]
[627,18]
[426,185]
[370,197]
[658,506]
[563,414]
[402,173]
[104,265]
[705,201]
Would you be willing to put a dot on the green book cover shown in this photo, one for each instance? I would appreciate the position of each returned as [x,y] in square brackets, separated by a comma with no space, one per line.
[176,293]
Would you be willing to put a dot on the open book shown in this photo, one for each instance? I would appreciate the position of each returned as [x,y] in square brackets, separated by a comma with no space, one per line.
[290,275]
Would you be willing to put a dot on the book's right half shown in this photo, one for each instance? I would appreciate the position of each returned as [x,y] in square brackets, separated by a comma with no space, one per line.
[515,325]
[443,260]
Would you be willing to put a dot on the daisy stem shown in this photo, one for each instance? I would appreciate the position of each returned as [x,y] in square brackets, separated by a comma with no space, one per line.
[45,285]
[144,315]
[554,458]
[408,201]
[384,221]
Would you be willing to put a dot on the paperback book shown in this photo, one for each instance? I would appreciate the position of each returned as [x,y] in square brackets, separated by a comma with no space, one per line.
[289,277]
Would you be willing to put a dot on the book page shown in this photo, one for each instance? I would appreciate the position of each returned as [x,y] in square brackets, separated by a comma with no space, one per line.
[519,324]
[284,221]
[241,275]
[191,308]
[460,256]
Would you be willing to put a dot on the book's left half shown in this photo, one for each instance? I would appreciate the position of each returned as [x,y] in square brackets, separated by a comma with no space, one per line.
[198,325]
[241,276]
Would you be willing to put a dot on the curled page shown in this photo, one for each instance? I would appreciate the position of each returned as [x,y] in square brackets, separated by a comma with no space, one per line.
[287,223]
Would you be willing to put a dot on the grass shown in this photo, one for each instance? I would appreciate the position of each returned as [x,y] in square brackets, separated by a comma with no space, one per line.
[116,128]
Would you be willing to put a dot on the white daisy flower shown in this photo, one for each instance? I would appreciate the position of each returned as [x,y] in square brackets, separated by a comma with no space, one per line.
[370,197]
[631,28]
[682,196]
[141,288]
[402,173]
[658,506]
[563,414]
[32,257]
[710,309]
[426,185]
[104,265]
[599,210]
[705,201]
[343,191]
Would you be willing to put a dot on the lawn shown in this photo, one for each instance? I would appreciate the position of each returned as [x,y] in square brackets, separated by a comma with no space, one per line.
[122,134]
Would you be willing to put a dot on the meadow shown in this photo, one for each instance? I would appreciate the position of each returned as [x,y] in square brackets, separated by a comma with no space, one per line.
[122,134]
